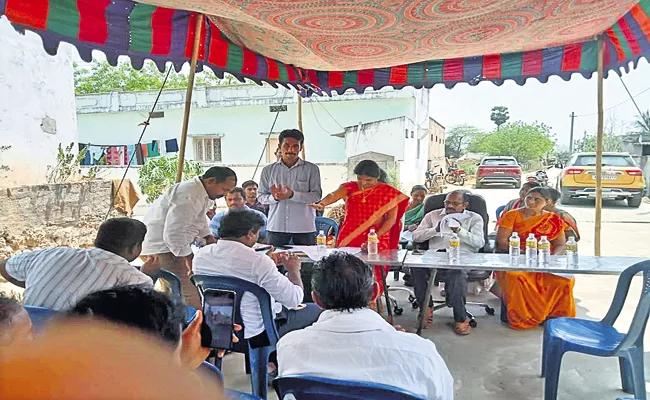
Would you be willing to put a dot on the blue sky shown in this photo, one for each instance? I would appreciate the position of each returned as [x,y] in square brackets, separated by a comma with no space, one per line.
[550,102]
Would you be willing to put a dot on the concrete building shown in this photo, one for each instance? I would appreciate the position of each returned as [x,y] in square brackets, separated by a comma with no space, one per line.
[639,148]
[37,106]
[232,124]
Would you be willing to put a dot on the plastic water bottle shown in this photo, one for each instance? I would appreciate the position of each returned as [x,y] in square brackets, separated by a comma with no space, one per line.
[321,242]
[544,252]
[454,248]
[531,250]
[514,250]
[373,242]
[572,252]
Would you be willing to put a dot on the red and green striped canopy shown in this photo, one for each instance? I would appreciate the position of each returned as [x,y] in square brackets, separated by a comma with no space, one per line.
[334,46]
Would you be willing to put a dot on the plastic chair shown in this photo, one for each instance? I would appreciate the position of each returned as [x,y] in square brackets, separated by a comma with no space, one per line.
[258,357]
[230,394]
[600,338]
[499,211]
[326,224]
[314,388]
[175,287]
[40,316]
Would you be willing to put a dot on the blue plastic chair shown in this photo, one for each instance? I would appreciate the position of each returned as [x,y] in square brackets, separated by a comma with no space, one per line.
[600,338]
[230,394]
[499,211]
[40,316]
[325,224]
[174,283]
[304,387]
[258,357]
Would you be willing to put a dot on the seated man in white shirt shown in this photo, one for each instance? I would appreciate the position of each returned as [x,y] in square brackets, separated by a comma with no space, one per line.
[233,255]
[57,278]
[351,342]
[436,227]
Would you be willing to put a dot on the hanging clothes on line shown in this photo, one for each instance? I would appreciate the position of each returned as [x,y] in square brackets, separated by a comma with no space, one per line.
[171,146]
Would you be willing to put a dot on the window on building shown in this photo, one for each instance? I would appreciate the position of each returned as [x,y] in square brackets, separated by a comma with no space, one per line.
[645,150]
[271,147]
[207,149]
[412,134]
[432,138]
[406,131]
[418,150]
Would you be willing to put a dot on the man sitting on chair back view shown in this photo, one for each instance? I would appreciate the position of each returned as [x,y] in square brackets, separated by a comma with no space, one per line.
[351,342]
[436,227]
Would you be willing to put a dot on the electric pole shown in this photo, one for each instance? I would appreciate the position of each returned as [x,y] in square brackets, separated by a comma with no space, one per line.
[572,116]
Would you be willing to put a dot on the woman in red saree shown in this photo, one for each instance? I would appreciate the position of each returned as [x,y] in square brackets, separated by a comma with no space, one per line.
[369,204]
[533,297]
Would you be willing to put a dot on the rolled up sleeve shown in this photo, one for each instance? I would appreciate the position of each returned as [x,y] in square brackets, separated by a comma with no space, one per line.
[278,285]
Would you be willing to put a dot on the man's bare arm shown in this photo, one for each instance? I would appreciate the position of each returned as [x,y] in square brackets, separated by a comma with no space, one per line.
[9,278]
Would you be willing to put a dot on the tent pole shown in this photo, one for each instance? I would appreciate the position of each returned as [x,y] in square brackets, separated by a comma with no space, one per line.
[300,121]
[599,148]
[188,96]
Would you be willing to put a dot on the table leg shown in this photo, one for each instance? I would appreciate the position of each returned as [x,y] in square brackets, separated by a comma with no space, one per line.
[386,297]
[427,301]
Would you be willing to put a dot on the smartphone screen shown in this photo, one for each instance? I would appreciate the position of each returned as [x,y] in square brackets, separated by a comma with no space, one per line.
[218,311]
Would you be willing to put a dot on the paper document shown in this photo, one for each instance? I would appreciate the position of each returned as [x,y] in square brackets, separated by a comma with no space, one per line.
[406,236]
[313,253]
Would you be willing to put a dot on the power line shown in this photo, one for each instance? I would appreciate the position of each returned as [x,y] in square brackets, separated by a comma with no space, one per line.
[266,142]
[316,117]
[328,113]
[623,102]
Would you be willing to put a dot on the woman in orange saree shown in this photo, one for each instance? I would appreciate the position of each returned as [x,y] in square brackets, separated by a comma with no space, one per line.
[533,297]
[369,204]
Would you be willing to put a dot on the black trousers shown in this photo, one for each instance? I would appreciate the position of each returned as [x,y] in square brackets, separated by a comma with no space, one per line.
[283,238]
[455,288]
[289,320]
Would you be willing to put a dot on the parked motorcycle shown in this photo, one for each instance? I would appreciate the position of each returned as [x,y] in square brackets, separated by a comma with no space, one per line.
[431,181]
[540,177]
[455,175]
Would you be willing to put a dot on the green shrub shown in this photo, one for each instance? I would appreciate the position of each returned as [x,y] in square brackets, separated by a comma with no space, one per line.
[159,173]
[470,168]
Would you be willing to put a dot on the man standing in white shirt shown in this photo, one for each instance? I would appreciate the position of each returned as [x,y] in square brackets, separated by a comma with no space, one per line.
[287,186]
[437,227]
[351,342]
[176,219]
[57,278]
[233,255]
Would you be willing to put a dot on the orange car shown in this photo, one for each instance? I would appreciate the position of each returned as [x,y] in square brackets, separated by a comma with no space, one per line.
[622,178]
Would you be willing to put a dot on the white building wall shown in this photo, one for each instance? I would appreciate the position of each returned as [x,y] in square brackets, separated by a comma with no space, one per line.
[37,105]
[386,137]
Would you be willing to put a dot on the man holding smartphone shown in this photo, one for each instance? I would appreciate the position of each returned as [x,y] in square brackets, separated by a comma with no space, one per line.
[233,255]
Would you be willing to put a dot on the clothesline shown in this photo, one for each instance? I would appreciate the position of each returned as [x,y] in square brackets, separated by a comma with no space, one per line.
[119,155]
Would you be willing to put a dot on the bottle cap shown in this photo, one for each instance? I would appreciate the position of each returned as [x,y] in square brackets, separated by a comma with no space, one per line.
[321,232]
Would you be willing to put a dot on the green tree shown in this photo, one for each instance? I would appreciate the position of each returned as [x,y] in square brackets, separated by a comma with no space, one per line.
[101,77]
[458,138]
[610,143]
[525,142]
[499,115]
[157,174]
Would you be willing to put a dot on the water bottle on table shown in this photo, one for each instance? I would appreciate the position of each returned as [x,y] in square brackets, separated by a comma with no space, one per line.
[454,248]
[321,242]
[373,243]
[544,252]
[531,250]
[514,250]
[572,252]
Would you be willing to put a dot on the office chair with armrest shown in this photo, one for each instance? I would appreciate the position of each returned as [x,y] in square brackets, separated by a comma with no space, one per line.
[476,204]
[305,387]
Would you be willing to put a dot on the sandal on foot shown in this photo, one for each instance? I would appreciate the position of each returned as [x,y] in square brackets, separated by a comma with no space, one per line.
[463,328]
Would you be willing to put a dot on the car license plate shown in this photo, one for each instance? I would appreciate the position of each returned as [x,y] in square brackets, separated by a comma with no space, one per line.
[499,172]
[606,177]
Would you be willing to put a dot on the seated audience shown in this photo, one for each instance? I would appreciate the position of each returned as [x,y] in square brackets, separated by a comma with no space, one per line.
[57,278]
[572,225]
[533,297]
[233,255]
[351,342]
[415,210]
[437,227]
[87,359]
[518,203]
[153,313]
[15,325]
[235,201]
[250,190]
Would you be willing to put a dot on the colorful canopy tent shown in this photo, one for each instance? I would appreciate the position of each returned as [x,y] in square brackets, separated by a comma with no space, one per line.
[327,46]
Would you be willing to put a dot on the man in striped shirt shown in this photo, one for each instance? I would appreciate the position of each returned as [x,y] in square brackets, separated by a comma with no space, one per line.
[57,278]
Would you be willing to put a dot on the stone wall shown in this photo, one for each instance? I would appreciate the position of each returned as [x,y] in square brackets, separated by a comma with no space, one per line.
[43,216]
